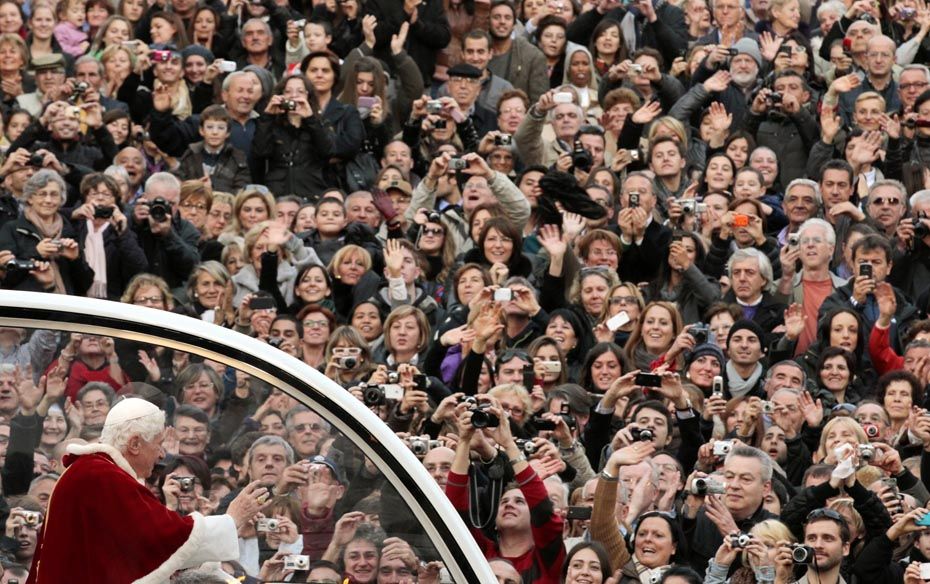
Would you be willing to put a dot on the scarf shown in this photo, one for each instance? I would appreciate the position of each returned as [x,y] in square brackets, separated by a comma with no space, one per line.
[737,385]
[49,230]
[642,358]
[96,258]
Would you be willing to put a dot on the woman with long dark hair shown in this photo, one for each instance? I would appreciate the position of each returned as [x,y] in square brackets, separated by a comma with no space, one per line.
[681,280]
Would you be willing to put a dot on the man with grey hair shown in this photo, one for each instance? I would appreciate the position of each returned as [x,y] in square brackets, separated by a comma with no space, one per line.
[886,206]
[747,473]
[751,286]
[169,242]
[106,482]
[802,202]
[913,80]
[257,43]
[566,120]
[806,289]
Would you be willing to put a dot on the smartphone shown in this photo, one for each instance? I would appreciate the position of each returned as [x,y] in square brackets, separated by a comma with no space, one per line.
[924,566]
[865,270]
[262,303]
[503,295]
[563,97]
[618,320]
[648,380]
[529,377]
[584,514]
[924,522]
[552,366]
[227,66]
[367,102]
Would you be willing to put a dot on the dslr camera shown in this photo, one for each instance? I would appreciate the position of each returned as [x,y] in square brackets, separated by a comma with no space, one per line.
[920,228]
[581,158]
[378,395]
[159,209]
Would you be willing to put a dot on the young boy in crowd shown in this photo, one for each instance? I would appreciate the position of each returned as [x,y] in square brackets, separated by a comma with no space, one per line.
[215,156]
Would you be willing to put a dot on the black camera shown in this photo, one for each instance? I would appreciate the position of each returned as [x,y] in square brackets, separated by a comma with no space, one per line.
[739,540]
[775,97]
[142,136]
[77,93]
[634,199]
[482,418]
[433,217]
[159,209]
[276,342]
[186,484]
[700,332]
[581,158]
[866,17]
[16,264]
[36,160]
[439,125]
[289,105]
[642,434]
[103,212]
[802,554]
[422,381]
[378,395]
[503,140]
[920,228]
[527,447]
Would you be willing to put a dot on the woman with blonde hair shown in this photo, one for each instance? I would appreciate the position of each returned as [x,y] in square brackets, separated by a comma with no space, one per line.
[406,336]
[353,280]
[837,432]
[13,69]
[251,206]
[623,297]
[758,554]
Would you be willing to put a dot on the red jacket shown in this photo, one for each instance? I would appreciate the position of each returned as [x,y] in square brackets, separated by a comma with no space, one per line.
[884,359]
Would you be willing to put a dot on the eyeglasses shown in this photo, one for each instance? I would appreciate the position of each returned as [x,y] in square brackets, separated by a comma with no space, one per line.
[314,427]
[197,206]
[511,354]
[219,471]
[890,201]
[315,323]
[914,85]
[201,385]
[813,240]
[618,300]
[148,300]
[260,188]
[848,408]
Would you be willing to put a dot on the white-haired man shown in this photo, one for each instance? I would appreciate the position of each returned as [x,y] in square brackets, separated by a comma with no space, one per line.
[751,286]
[104,525]
[807,288]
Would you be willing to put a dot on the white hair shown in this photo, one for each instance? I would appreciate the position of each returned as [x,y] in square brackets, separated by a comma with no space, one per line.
[815,223]
[147,427]
[919,197]
[165,179]
[834,6]
[765,266]
[806,182]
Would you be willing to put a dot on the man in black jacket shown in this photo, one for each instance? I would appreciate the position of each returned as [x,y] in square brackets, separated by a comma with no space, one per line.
[645,240]
[429,30]
[705,520]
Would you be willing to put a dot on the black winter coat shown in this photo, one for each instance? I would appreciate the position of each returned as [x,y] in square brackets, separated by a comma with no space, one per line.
[295,158]
[125,257]
[427,36]
[21,237]
[230,173]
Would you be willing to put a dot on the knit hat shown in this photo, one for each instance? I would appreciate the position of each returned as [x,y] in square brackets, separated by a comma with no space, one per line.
[264,76]
[748,325]
[706,349]
[747,46]
[198,50]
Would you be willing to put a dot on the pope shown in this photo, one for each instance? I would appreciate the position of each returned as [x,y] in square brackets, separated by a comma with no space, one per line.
[103,524]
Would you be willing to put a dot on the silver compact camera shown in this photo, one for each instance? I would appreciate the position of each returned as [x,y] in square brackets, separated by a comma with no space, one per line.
[296,563]
[722,447]
[739,540]
[267,525]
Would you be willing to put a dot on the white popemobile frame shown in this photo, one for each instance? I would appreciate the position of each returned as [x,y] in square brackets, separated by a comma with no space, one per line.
[430,506]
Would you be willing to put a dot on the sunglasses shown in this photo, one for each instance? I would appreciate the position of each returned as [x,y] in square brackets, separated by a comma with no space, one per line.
[511,354]
[825,513]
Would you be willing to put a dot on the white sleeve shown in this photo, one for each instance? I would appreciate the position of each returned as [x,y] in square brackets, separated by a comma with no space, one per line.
[219,541]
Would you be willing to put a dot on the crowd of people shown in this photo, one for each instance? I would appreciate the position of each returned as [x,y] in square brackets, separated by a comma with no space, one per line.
[644,283]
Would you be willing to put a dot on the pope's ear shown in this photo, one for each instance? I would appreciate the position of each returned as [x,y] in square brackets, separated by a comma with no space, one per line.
[134,443]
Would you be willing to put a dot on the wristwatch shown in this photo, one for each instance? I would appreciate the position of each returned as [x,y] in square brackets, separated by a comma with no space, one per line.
[607,476]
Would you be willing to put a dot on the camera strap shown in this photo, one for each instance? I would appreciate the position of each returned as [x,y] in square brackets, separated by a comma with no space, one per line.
[496,475]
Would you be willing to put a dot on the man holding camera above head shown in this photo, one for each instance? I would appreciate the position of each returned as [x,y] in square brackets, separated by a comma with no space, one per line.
[708,518]
[105,481]
[169,242]
[562,111]
[645,240]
